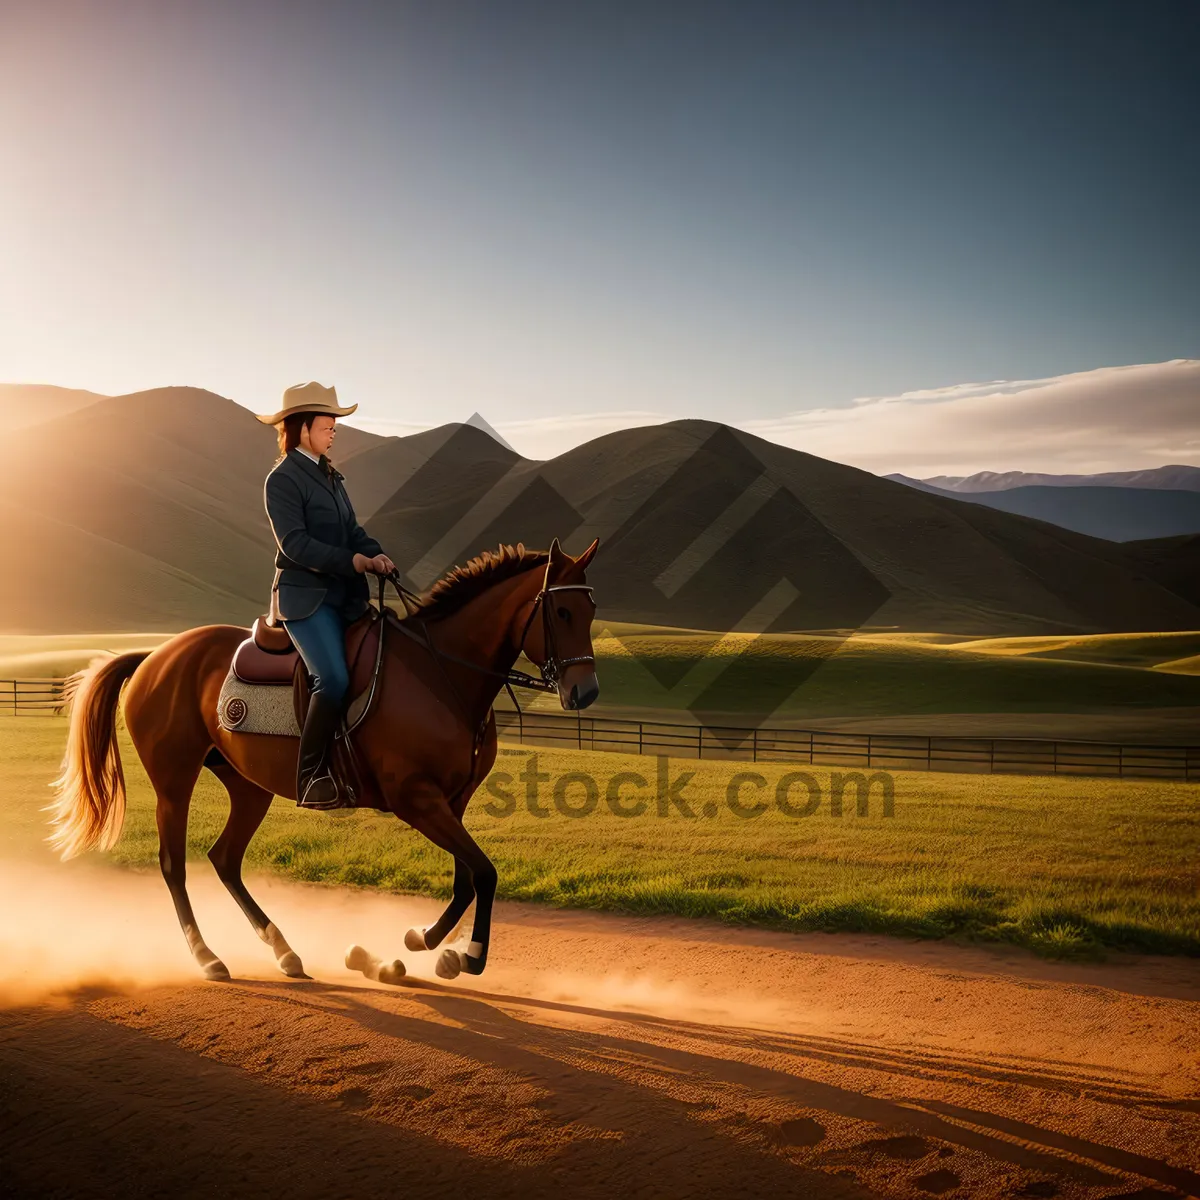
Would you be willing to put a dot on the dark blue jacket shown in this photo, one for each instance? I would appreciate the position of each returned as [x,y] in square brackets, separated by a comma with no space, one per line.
[318,536]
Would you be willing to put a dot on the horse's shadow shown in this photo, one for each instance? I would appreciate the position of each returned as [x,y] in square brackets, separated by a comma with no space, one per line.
[578,1058]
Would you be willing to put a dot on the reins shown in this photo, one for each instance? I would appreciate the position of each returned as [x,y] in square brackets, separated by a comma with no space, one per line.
[550,669]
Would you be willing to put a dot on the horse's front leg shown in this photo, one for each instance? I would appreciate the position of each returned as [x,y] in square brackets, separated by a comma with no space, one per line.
[428,810]
[431,812]
[432,936]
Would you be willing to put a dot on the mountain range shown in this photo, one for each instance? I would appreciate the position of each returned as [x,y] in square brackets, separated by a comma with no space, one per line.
[1121,506]
[1176,477]
[145,512]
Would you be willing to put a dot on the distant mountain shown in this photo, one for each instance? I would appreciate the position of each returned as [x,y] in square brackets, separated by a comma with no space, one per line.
[920,485]
[23,404]
[145,512]
[478,422]
[1177,477]
[1119,514]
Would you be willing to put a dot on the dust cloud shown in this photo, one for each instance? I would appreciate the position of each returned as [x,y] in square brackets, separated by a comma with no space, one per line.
[67,927]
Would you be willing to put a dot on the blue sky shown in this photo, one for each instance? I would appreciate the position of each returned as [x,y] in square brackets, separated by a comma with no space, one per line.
[594,212]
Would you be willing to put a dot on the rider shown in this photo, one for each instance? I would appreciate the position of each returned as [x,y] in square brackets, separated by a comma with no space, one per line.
[319,586]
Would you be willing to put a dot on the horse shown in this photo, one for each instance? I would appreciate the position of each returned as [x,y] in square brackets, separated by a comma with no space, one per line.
[428,738]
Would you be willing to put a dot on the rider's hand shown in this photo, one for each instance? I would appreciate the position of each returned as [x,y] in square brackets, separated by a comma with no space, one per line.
[379,565]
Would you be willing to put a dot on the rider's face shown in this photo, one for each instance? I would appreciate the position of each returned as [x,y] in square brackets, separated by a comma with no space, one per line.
[319,436]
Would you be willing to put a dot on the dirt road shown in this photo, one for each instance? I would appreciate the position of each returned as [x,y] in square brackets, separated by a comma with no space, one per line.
[599,1056]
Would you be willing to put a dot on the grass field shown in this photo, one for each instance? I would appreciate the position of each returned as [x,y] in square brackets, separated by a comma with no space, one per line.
[876,674]
[1064,866]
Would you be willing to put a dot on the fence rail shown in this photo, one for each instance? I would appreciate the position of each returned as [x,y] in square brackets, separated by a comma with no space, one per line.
[869,751]
[31,696]
[812,747]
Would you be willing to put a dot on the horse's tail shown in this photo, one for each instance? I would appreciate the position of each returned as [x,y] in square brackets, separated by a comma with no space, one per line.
[89,804]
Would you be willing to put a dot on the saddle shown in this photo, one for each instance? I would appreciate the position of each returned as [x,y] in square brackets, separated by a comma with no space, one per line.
[267,655]
[269,658]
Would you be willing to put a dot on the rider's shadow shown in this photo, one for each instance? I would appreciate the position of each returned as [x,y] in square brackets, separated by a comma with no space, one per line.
[549,1054]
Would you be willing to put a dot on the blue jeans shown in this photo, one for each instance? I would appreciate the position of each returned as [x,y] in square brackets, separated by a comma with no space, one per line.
[320,639]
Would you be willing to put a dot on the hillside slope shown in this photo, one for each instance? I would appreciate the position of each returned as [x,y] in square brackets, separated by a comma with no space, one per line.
[24,404]
[142,511]
[145,511]
[719,518]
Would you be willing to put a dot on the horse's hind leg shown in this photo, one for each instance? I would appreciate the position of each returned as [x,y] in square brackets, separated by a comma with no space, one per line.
[172,818]
[248,806]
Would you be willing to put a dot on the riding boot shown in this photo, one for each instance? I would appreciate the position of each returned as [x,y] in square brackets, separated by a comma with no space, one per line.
[315,784]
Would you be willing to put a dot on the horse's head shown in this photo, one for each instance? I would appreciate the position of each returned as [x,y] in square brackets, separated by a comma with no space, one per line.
[560,643]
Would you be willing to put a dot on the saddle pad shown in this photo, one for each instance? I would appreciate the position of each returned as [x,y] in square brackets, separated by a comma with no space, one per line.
[267,707]
[256,708]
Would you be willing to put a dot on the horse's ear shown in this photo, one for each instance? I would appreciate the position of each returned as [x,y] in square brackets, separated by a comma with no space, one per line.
[586,556]
[554,561]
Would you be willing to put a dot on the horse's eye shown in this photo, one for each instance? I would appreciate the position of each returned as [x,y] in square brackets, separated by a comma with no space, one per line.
[565,614]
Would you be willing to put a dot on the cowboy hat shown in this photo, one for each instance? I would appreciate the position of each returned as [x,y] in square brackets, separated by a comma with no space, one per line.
[307,397]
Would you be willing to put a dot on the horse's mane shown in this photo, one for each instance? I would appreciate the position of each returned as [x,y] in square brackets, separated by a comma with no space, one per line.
[463,583]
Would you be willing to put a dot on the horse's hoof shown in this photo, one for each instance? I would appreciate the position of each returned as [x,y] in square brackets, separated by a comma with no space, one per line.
[392,972]
[357,959]
[414,940]
[449,965]
[292,967]
[217,971]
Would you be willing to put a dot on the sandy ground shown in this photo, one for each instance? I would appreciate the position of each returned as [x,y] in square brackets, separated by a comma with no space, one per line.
[598,1056]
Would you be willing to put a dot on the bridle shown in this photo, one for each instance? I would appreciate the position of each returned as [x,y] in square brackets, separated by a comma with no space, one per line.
[550,669]
[552,666]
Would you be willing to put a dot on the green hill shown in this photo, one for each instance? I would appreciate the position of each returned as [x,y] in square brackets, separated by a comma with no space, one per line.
[870,675]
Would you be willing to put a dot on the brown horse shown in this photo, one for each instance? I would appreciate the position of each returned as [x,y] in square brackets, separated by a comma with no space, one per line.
[417,740]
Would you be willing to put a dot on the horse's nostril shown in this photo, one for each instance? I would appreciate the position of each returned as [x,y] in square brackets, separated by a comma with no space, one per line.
[581,697]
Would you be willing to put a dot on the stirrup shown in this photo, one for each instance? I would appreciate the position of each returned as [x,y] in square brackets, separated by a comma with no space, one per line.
[342,797]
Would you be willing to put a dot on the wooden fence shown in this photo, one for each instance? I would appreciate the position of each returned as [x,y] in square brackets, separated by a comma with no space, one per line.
[813,747]
[868,751]
[31,696]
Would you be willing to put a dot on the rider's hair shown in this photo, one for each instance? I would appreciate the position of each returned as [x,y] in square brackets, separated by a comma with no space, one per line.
[289,428]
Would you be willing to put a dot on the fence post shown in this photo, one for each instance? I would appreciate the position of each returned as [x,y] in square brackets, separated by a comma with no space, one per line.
[754,744]
[699,741]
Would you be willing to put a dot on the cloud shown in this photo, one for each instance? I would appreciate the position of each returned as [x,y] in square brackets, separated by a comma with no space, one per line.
[1112,419]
